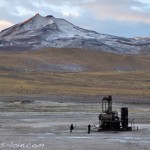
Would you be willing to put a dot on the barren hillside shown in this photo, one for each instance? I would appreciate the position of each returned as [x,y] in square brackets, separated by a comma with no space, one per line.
[71,60]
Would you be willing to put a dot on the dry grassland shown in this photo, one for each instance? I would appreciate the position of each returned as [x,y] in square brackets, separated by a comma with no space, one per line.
[87,83]
[101,77]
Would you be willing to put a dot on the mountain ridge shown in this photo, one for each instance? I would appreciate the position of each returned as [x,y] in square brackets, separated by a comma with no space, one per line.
[49,32]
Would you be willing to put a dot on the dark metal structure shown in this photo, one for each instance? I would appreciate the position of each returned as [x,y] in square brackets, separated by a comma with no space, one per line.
[109,119]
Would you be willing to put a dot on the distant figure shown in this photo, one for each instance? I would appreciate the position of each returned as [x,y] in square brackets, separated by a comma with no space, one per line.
[71,127]
[89,129]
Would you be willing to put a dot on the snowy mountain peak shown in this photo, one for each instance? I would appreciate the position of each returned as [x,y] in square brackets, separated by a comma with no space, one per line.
[46,32]
[32,23]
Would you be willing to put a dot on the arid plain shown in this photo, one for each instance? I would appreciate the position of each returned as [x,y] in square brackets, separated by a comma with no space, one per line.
[40,98]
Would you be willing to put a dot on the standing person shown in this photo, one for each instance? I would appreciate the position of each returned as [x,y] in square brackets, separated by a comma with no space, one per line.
[71,127]
[89,129]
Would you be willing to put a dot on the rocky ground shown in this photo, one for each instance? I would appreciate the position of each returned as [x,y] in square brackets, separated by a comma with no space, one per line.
[43,123]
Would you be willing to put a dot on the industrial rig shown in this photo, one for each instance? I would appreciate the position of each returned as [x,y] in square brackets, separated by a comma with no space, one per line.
[110,121]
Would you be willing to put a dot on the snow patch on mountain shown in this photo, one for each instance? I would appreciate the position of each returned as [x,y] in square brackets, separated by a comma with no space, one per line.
[46,32]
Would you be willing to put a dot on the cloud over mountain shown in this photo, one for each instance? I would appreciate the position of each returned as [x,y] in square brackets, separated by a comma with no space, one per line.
[127,14]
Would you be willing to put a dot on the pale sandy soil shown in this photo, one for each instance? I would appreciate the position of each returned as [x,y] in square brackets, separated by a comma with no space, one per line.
[47,122]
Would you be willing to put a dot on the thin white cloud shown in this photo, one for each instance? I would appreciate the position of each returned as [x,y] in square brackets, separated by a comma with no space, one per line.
[21,11]
[144,1]
[65,10]
[120,10]
[68,14]
[68,11]
[3,3]
[90,13]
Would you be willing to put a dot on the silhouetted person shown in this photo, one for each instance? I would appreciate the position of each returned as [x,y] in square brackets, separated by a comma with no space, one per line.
[89,129]
[71,127]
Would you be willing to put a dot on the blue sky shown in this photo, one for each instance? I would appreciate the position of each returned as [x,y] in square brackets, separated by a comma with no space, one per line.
[127,18]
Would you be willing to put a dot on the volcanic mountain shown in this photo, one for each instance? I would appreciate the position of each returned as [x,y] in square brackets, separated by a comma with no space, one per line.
[50,32]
